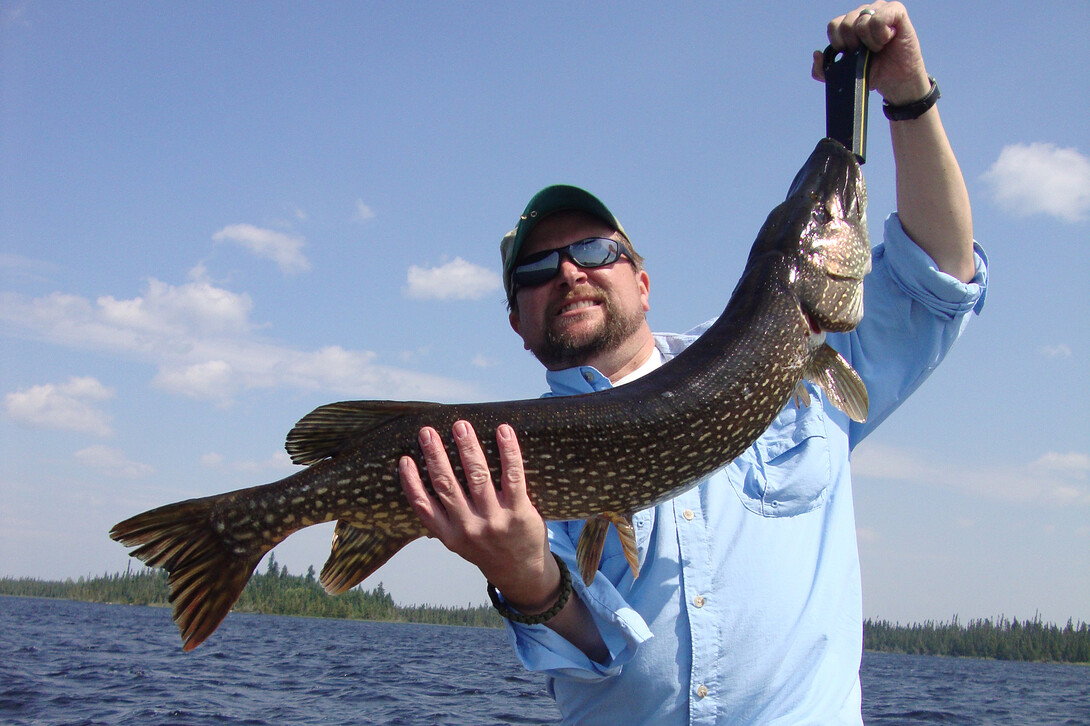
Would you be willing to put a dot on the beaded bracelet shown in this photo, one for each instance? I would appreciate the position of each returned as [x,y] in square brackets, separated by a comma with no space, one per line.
[909,111]
[561,600]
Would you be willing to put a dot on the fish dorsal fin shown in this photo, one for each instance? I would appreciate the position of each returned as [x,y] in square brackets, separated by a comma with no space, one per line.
[843,386]
[324,431]
[592,541]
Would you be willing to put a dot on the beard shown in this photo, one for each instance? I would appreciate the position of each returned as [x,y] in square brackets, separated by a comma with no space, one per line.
[562,348]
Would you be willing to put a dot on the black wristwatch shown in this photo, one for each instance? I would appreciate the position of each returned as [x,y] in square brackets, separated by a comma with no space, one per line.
[909,111]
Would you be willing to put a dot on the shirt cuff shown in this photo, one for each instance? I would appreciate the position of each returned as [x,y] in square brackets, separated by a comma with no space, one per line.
[622,629]
[917,274]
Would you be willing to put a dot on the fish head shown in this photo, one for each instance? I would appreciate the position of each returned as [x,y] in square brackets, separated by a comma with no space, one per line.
[826,245]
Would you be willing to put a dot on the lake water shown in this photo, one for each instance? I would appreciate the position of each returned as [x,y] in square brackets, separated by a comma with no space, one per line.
[64,662]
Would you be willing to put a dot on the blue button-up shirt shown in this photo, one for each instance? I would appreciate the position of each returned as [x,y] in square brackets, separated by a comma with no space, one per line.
[748,604]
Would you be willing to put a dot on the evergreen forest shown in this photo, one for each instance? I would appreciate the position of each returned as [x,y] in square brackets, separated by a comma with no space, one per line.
[277,592]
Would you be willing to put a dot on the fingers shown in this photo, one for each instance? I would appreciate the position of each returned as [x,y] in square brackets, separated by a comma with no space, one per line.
[818,71]
[444,512]
[871,24]
[513,483]
[451,508]
[427,508]
[482,492]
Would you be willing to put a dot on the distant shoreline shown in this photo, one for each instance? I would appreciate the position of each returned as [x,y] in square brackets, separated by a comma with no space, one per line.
[276,592]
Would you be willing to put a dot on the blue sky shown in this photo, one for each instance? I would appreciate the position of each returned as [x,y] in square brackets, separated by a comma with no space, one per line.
[215,217]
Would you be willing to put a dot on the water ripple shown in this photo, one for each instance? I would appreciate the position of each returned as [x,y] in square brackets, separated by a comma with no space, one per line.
[72,663]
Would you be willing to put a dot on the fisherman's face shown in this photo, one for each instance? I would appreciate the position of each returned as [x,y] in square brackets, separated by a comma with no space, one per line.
[581,312]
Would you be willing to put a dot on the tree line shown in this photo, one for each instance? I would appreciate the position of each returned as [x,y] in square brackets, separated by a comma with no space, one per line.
[1001,639]
[277,592]
[272,592]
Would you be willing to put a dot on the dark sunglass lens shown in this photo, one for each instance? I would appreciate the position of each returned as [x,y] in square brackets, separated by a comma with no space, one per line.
[595,252]
[537,269]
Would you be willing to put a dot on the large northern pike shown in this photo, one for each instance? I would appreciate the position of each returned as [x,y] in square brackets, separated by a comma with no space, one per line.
[600,456]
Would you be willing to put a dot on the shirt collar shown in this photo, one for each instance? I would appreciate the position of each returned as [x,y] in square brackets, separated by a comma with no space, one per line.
[587,379]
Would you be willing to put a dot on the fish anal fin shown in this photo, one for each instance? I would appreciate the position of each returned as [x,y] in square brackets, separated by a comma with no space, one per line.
[326,430]
[842,385]
[205,576]
[592,541]
[355,554]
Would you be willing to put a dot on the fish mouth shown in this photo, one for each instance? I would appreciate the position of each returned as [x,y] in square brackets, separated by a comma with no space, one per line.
[811,322]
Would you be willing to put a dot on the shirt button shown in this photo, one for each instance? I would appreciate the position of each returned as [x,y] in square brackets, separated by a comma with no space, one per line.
[699,601]
[701,691]
[688,514]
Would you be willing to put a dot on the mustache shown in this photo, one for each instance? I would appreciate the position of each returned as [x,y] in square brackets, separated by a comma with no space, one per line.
[584,292]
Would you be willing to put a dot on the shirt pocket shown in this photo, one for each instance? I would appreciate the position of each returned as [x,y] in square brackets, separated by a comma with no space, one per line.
[786,472]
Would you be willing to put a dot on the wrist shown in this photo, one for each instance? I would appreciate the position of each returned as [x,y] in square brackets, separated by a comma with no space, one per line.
[915,108]
[524,606]
[908,91]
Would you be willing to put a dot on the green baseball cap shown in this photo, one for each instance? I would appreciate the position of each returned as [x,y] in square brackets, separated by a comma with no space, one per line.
[551,199]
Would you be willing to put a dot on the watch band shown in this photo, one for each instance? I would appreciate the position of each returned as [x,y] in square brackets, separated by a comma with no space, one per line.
[915,109]
[561,600]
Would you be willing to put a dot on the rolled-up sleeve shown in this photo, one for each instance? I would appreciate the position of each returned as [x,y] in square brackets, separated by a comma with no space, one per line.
[919,277]
[913,313]
[622,629]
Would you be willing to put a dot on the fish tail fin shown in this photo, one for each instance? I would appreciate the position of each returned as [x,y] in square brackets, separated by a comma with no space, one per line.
[355,554]
[205,576]
[840,382]
[592,541]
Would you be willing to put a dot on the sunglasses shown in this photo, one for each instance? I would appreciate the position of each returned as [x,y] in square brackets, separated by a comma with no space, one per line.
[539,268]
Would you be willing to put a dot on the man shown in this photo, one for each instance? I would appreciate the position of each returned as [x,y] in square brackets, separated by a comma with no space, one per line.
[748,604]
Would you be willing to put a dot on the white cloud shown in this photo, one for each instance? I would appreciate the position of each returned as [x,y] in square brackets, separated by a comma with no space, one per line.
[1072,464]
[867,536]
[112,461]
[363,211]
[456,280]
[1041,178]
[482,361]
[212,460]
[1061,350]
[1052,477]
[284,250]
[68,406]
[197,305]
[26,268]
[204,345]
[278,461]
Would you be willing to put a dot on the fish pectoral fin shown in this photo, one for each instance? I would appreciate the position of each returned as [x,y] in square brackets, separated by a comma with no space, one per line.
[355,554]
[801,396]
[592,541]
[623,523]
[326,430]
[841,383]
[588,550]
